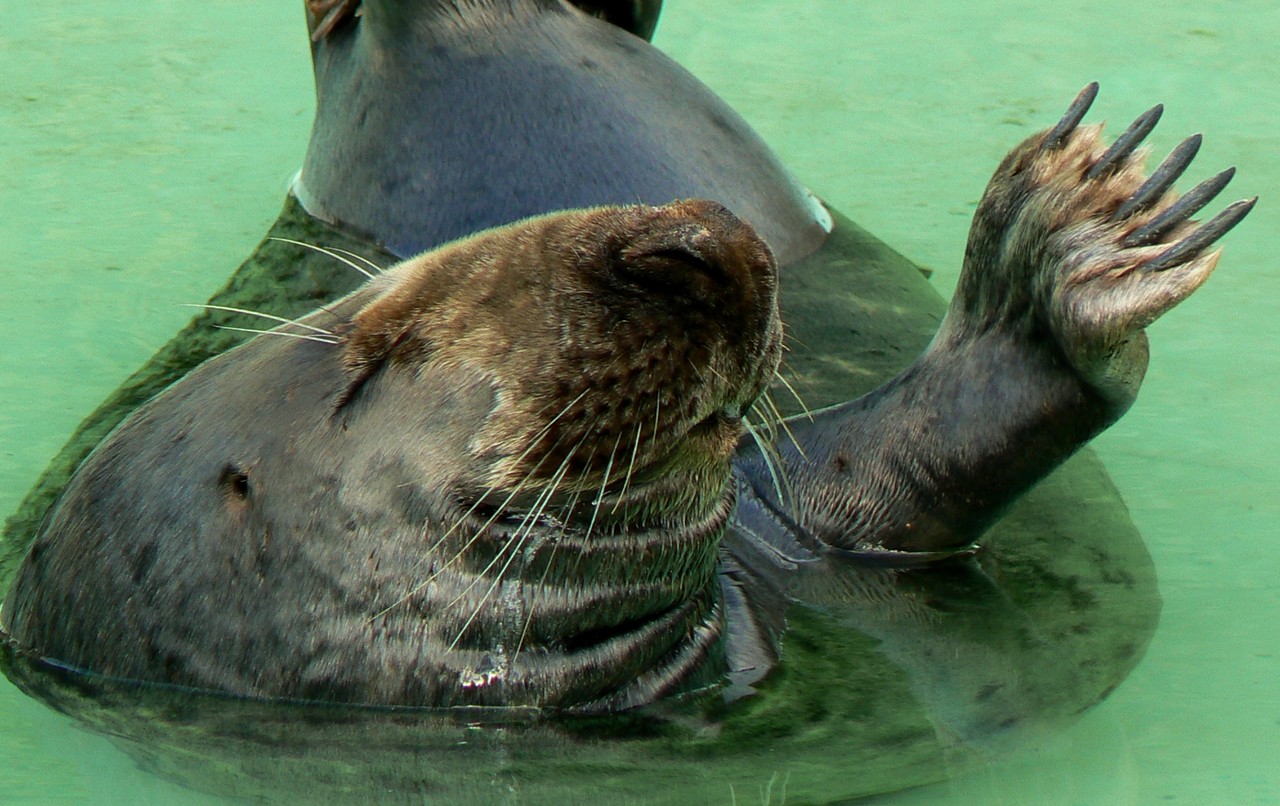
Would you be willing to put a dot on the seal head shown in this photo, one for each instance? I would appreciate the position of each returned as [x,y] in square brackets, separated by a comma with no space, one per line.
[498,474]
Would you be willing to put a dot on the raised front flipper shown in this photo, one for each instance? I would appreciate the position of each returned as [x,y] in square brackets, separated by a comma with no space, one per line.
[1073,251]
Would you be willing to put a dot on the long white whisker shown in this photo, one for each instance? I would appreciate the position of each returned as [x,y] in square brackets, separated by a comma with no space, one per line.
[496,513]
[327,252]
[631,467]
[304,336]
[783,422]
[604,484]
[515,545]
[803,406]
[354,256]
[525,526]
[564,524]
[533,443]
[764,418]
[248,312]
[599,499]
[765,452]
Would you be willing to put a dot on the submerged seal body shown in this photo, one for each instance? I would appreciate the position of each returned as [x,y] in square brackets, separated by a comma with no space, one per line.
[508,472]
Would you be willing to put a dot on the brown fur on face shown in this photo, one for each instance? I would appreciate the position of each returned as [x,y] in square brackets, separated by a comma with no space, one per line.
[622,344]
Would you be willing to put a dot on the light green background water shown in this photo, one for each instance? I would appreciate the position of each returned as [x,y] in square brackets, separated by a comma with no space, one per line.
[145,146]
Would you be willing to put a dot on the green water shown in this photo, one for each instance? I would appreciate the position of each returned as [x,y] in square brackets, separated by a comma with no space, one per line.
[146,146]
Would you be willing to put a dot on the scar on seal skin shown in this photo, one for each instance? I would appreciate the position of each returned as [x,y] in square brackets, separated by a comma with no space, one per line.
[505,473]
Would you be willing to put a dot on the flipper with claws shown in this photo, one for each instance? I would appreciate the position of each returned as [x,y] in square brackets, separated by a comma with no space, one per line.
[1073,251]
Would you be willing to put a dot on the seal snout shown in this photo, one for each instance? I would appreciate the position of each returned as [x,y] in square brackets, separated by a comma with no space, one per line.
[700,248]
[679,261]
[713,282]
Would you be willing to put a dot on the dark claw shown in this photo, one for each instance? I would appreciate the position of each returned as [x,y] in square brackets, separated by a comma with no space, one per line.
[1193,244]
[1179,211]
[1127,142]
[1075,113]
[1162,179]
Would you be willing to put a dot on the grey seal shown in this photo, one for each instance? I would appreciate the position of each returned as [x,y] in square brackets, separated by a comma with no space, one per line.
[504,472]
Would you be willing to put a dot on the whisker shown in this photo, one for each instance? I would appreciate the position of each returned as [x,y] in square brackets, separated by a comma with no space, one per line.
[303,336]
[542,582]
[355,256]
[555,483]
[327,252]
[518,543]
[769,411]
[457,555]
[248,312]
[804,407]
[462,551]
[783,422]
[765,453]
[765,417]
[631,467]
[604,484]
[568,512]
[497,512]
[514,546]
[697,373]
[542,432]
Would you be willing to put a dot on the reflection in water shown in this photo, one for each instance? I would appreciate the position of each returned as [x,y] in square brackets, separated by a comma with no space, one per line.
[885,678]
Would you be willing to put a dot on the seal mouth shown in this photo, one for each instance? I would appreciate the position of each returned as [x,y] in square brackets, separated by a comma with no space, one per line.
[728,415]
[717,435]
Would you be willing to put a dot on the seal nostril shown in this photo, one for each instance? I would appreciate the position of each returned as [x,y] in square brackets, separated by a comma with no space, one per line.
[234,482]
[677,270]
[688,259]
